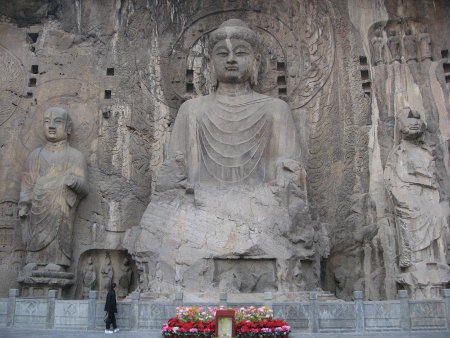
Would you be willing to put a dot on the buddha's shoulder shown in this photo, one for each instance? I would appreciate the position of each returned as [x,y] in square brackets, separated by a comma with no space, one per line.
[275,103]
[196,102]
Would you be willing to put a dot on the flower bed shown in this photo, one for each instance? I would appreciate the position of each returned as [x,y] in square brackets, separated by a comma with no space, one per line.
[200,322]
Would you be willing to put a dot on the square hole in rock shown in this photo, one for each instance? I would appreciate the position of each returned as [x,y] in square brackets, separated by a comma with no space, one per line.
[108,94]
[32,37]
[110,71]
[32,82]
[35,69]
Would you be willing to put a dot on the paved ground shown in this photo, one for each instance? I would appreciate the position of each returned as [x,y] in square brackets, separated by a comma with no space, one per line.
[36,333]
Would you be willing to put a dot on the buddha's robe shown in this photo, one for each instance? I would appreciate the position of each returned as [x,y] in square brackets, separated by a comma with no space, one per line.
[224,192]
[52,203]
[228,140]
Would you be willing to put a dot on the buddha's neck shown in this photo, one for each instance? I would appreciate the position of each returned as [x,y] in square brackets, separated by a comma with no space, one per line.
[56,146]
[234,89]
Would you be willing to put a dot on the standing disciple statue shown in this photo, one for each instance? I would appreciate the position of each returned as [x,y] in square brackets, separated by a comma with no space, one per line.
[232,188]
[420,214]
[53,183]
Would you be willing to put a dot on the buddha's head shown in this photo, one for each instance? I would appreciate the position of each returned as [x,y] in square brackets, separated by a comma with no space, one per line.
[234,53]
[57,124]
[411,124]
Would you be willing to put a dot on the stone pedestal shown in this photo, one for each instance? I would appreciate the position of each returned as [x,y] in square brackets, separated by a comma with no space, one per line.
[38,283]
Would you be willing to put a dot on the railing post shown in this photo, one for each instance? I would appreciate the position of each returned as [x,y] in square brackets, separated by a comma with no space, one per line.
[92,309]
[223,298]
[359,311]
[405,319]
[313,312]
[134,316]
[51,299]
[13,294]
[268,299]
[446,295]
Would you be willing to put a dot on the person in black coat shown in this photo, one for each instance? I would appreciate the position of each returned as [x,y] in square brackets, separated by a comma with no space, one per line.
[111,309]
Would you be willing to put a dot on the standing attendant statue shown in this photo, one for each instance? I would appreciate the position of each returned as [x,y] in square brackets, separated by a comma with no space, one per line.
[395,46]
[424,44]
[53,183]
[377,48]
[125,277]
[89,277]
[107,273]
[420,215]
[410,44]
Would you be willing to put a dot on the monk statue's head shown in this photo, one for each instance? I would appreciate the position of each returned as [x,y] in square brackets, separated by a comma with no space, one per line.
[411,123]
[57,124]
[234,53]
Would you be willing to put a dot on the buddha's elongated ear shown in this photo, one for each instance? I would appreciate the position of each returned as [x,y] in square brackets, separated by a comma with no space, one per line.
[255,71]
[212,75]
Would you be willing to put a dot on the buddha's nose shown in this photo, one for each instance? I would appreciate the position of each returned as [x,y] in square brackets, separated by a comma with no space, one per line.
[231,58]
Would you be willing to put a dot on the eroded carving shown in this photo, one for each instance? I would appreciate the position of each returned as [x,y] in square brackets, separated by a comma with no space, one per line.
[53,183]
[107,274]
[232,185]
[89,277]
[420,215]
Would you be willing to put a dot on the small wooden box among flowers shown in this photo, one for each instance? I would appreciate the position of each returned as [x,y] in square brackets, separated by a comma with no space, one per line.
[248,322]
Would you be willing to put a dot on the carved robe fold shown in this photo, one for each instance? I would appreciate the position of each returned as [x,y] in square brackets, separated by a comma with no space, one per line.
[234,139]
[48,236]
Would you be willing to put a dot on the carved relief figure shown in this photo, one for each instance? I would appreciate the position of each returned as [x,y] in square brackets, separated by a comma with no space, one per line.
[89,277]
[424,44]
[394,44]
[107,273]
[420,215]
[377,48]
[232,183]
[53,183]
[125,277]
[410,45]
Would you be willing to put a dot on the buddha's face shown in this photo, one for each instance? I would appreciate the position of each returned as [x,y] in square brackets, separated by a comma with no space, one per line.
[411,124]
[55,126]
[233,60]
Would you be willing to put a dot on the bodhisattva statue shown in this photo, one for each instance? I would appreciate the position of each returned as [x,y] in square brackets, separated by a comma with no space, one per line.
[420,215]
[107,274]
[89,277]
[232,188]
[53,183]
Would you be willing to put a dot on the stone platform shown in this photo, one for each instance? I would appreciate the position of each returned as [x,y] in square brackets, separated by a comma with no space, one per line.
[310,318]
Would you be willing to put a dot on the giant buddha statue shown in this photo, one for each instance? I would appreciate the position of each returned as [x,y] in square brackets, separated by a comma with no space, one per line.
[230,209]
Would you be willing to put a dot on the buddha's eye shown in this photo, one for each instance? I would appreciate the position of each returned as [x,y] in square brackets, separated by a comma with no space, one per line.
[240,52]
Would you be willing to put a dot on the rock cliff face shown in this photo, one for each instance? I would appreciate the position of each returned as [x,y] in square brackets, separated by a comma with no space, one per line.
[346,69]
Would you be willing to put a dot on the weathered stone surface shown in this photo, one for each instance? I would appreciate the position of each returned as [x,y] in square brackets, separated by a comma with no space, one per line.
[231,214]
[123,68]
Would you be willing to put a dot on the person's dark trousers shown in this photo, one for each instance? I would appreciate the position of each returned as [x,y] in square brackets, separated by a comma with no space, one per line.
[111,320]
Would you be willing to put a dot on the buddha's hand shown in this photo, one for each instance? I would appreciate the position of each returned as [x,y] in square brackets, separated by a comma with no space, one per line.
[70,181]
[23,210]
